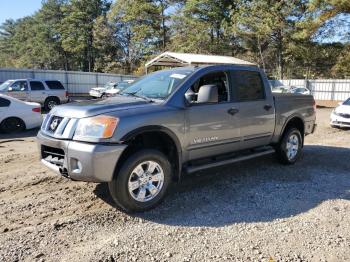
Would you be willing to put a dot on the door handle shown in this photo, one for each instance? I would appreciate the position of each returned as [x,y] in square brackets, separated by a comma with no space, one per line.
[267,107]
[233,111]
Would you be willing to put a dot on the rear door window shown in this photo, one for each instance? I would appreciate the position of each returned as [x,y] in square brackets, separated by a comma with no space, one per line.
[248,85]
[55,85]
[4,102]
[36,85]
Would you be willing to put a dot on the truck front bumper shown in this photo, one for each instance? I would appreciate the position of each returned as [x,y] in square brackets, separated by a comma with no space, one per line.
[80,161]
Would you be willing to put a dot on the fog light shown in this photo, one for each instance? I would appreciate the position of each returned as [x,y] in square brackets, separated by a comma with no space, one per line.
[76,165]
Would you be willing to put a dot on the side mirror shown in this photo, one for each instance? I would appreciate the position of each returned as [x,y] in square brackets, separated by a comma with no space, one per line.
[9,89]
[190,96]
[208,94]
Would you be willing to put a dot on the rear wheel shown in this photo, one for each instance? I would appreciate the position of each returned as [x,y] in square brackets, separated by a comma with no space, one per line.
[12,125]
[51,102]
[142,181]
[289,149]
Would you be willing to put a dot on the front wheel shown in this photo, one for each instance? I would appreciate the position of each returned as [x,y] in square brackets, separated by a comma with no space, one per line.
[142,181]
[289,149]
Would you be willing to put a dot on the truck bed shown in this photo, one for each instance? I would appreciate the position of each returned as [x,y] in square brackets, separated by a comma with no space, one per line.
[291,105]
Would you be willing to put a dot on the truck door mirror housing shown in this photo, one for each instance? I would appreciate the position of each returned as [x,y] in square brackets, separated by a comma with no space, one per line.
[9,89]
[208,94]
[190,96]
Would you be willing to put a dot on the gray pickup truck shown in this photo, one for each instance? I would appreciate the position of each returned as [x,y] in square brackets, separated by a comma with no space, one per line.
[170,123]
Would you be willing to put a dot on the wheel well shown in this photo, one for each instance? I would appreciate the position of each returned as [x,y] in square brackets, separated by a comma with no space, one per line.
[153,140]
[52,97]
[295,122]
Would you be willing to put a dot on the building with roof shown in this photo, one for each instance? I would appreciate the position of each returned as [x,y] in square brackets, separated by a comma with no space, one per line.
[172,59]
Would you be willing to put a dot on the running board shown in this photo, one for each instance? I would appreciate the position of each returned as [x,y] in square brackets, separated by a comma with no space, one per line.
[192,169]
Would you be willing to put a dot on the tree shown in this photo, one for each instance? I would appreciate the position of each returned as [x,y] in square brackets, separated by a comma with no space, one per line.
[287,38]
[107,49]
[77,29]
[323,19]
[49,20]
[270,23]
[7,53]
[199,26]
[35,42]
[135,22]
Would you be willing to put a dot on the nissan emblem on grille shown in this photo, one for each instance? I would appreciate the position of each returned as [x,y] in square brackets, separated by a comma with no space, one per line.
[54,123]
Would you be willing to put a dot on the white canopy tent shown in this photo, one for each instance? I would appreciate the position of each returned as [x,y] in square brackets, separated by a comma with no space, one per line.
[172,59]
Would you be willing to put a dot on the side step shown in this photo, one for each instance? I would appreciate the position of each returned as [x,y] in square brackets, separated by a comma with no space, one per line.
[192,169]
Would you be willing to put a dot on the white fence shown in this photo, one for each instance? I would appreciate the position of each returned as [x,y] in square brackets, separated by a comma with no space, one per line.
[75,82]
[82,82]
[321,89]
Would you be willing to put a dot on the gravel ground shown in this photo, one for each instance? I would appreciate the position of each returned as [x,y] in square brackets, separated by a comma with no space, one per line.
[249,211]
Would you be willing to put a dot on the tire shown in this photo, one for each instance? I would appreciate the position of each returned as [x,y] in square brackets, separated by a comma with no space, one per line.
[289,149]
[51,102]
[12,125]
[127,186]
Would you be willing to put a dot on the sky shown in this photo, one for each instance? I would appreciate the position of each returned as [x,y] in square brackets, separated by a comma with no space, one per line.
[17,8]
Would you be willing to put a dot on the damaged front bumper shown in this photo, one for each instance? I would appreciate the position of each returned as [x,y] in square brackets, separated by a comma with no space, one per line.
[80,161]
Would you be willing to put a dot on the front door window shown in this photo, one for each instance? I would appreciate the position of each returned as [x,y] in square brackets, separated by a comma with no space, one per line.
[19,86]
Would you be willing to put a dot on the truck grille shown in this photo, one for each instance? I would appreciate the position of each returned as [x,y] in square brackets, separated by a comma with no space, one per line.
[59,127]
[53,155]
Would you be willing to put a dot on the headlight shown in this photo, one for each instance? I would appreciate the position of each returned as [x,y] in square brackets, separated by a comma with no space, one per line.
[96,127]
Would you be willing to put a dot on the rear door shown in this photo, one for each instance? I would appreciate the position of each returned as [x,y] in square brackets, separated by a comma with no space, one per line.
[19,89]
[4,108]
[212,128]
[38,92]
[256,108]
[56,89]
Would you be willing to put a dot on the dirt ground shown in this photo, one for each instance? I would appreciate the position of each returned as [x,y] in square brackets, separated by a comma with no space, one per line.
[249,211]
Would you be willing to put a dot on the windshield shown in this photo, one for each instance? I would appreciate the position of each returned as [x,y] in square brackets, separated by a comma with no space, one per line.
[347,102]
[4,86]
[158,85]
[122,85]
[109,85]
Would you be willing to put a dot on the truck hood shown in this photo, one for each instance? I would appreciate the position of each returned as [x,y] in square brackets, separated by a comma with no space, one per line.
[92,108]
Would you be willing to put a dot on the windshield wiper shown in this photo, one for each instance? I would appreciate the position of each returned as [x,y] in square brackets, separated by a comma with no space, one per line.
[134,94]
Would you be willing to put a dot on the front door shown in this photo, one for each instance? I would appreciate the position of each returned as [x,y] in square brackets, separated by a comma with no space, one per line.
[212,128]
[19,90]
[256,108]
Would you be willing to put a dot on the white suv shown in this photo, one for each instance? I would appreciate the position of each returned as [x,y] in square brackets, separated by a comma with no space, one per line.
[48,93]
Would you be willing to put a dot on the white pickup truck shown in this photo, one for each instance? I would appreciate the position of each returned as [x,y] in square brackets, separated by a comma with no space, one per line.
[48,93]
